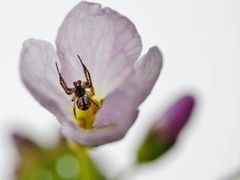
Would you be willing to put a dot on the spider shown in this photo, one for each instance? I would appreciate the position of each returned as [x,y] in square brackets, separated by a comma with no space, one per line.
[82,91]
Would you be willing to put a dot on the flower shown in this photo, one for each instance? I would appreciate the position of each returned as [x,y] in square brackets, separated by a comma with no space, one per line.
[109,46]
[166,129]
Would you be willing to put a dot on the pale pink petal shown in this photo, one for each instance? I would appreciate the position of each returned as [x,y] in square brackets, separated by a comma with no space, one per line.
[107,41]
[98,136]
[120,108]
[39,75]
[136,87]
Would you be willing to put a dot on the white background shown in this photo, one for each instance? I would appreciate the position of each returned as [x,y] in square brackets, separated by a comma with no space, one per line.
[200,41]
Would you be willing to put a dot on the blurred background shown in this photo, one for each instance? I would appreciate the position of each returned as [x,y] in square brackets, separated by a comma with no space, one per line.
[200,42]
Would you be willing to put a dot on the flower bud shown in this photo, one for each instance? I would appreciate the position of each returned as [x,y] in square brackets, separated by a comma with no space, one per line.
[166,129]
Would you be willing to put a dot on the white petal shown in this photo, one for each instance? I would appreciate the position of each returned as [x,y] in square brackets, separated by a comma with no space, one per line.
[120,109]
[136,87]
[97,136]
[147,71]
[39,75]
[107,42]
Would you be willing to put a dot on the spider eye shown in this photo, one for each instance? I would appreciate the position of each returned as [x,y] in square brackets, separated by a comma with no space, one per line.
[75,83]
[79,82]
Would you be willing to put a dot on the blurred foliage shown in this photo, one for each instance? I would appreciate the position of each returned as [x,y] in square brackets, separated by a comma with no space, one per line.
[64,161]
[234,176]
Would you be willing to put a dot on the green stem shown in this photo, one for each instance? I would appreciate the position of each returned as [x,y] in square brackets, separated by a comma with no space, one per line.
[88,168]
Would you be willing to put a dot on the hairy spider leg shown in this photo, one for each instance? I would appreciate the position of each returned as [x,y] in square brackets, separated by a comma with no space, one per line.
[87,75]
[67,90]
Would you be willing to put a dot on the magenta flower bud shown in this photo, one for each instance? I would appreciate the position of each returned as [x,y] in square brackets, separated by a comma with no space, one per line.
[166,129]
[175,118]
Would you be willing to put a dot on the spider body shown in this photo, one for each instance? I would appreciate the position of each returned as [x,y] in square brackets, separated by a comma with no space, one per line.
[82,91]
[83,103]
[79,91]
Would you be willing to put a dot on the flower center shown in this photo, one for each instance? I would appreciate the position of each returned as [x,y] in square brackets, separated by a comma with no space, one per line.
[86,118]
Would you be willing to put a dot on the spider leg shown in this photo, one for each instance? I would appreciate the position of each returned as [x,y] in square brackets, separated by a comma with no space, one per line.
[93,101]
[67,90]
[87,75]
[74,110]
[74,98]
